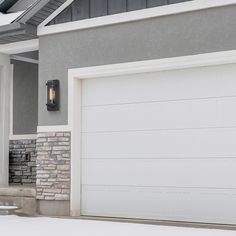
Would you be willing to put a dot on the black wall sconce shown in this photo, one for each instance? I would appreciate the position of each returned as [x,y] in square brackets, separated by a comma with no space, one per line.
[53,95]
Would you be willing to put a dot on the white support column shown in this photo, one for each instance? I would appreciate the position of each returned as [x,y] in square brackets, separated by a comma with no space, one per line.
[4,118]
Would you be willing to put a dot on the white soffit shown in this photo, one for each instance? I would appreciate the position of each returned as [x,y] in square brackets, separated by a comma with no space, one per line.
[6,19]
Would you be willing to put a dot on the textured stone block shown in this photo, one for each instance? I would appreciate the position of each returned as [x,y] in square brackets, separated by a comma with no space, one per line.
[53,166]
[22,162]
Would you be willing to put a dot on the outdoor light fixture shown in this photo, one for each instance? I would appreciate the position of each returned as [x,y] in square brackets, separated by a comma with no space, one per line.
[53,95]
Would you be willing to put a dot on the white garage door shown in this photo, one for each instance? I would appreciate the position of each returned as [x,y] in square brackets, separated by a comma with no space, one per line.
[161,145]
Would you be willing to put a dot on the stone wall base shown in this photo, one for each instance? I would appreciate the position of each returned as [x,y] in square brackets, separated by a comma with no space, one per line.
[53,208]
[23,197]
[28,206]
[53,166]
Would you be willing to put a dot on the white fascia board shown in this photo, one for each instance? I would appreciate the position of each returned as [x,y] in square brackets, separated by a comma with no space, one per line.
[20,47]
[134,16]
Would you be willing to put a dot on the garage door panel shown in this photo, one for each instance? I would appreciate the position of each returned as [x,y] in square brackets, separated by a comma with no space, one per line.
[192,143]
[193,83]
[162,115]
[161,145]
[160,203]
[214,173]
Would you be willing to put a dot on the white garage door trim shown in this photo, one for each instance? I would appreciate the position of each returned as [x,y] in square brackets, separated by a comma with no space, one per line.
[74,98]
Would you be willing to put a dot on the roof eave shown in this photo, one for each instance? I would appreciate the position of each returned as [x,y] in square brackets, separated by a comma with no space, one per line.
[31,11]
[8,33]
[6,4]
[10,27]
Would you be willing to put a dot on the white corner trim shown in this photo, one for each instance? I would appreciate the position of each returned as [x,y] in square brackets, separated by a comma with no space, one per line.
[23,137]
[4,118]
[20,47]
[173,63]
[55,13]
[24,59]
[11,98]
[134,16]
[53,128]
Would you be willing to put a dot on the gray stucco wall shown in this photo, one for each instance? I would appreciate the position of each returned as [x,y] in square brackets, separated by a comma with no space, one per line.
[25,98]
[190,33]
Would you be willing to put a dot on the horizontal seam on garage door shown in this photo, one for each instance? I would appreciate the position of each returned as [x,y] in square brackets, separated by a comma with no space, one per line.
[159,158]
[176,187]
[160,101]
[153,130]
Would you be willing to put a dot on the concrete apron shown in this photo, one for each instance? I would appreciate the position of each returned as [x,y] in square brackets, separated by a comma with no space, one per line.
[18,200]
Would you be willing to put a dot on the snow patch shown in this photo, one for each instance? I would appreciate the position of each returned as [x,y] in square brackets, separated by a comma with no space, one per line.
[9,207]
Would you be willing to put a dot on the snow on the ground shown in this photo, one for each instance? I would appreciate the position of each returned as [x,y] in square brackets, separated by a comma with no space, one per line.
[8,207]
[21,226]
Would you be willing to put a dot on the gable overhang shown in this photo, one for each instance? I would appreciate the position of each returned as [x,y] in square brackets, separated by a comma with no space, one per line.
[17,32]
[25,26]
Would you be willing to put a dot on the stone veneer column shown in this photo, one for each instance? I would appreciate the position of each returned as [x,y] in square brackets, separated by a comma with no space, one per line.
[53,166]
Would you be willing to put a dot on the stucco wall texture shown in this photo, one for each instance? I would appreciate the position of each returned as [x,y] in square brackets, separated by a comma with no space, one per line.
[197,32]
[25,98]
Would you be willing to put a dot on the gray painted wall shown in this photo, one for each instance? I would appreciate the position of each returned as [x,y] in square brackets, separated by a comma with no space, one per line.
[190,33]
[83,9]
[25,98]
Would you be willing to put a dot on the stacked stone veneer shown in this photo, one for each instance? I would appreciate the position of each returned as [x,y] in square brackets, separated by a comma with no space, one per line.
[53,166]
[22,162]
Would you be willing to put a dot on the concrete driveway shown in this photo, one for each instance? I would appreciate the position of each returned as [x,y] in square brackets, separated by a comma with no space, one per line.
[21,226]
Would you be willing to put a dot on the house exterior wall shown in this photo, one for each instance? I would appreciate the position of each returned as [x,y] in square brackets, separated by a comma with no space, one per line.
[25,98]
[203,31]
[22,152]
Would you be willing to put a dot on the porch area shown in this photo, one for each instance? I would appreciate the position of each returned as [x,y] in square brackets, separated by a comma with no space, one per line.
[18,126]
[23,118]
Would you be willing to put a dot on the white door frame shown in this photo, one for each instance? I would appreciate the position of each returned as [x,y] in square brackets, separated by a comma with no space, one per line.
[75,76]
